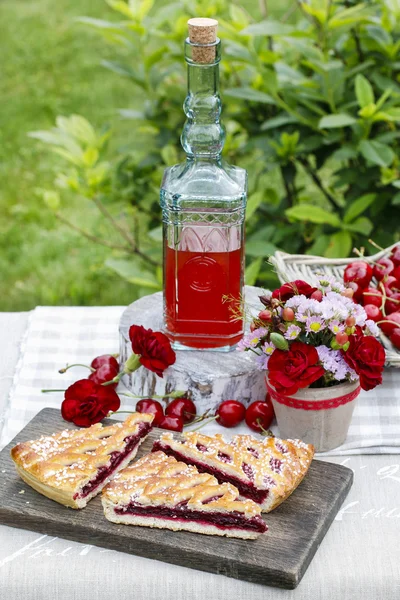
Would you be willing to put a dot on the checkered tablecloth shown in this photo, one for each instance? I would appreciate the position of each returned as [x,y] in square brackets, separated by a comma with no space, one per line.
[56,336]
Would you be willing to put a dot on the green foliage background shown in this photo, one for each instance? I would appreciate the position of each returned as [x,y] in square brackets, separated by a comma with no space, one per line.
[311,104]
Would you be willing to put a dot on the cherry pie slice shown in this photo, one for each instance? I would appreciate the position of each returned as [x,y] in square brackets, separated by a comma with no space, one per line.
[158,491]
[266,471]
[73,466]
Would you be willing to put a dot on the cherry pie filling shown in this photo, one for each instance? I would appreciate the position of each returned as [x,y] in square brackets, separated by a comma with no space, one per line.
[248,490]
[232,520]
[116,458]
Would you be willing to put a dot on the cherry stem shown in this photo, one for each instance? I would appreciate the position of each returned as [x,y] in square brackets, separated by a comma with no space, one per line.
[48,391]
[65,369]
[375,245]
[388,321]
[206,422]
[267,432]
[115,380]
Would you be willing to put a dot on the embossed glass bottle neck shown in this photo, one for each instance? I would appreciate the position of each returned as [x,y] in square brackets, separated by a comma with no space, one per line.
[203,134]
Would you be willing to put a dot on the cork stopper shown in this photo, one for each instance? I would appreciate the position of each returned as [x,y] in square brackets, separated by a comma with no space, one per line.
[203,31]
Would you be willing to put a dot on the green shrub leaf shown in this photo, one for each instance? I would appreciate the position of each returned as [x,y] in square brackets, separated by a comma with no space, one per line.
[133,271]
[246,93]
[358,207]
[252,271]
[313,214]
[364,91]
[339,245]
[268,28]
[339,120]
[377,153]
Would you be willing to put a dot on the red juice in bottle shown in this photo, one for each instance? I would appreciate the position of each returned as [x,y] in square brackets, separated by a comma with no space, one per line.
[202,297]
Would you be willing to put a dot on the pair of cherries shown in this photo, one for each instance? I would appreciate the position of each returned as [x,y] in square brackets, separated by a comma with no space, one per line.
[178,413]
[105,367]
[258,415]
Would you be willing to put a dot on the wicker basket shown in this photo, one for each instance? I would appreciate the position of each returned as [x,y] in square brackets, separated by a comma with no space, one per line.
[299,266]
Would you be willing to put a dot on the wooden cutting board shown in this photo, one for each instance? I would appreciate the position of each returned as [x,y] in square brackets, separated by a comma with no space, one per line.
[278,558]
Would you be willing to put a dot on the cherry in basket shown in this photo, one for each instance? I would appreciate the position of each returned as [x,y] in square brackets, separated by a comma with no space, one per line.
[390,323]
[359,272]
[383,268]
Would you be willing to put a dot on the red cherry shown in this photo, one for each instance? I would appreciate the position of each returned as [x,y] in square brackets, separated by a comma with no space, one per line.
[341,338]
[373,312]
[259,415]
[288,314]
[396,273]
[183,408]
[350,321]
[392,304]
[359,272]
[395,256]
[172,423]
[395,338]
[357,291]
[390,284]
[151,407]
[265,315]
[372,296]
[103,374]
[105,359]
[383,267]
[230,413]
[390,323]
[317,295]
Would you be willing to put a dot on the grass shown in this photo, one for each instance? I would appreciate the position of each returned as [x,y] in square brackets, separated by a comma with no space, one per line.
[51,67]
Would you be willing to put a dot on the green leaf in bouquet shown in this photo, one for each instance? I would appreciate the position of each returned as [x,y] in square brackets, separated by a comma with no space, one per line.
[358,206]
[268,28]
[313,214]
[364,91]
[339,245]
[338,120]
[133,271]
[252,271]
[377,153]
[247,93]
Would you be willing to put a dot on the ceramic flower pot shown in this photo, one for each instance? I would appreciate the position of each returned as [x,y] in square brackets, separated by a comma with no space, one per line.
[318,416]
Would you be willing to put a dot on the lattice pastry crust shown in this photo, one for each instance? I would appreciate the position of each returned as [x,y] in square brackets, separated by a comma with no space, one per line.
[269,465]
[65,465]
[160,481]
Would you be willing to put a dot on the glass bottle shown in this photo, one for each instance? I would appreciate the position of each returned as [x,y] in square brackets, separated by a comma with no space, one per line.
[203,203]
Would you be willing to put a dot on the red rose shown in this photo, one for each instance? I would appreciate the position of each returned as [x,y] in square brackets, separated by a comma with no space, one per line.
[290,370]
[153,348]
[293,288]
[367,357]
[86,402]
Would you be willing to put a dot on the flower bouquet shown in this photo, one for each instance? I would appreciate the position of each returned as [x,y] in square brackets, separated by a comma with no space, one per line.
[318,348]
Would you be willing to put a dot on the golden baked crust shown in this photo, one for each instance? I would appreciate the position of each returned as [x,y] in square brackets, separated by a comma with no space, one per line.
[158,480]
[59,466]
[269,464]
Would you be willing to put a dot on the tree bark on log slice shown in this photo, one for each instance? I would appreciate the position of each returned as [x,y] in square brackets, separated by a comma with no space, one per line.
[210,376]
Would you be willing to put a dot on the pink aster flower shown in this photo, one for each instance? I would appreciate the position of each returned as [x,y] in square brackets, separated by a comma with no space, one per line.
[292,332]
[315,324]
